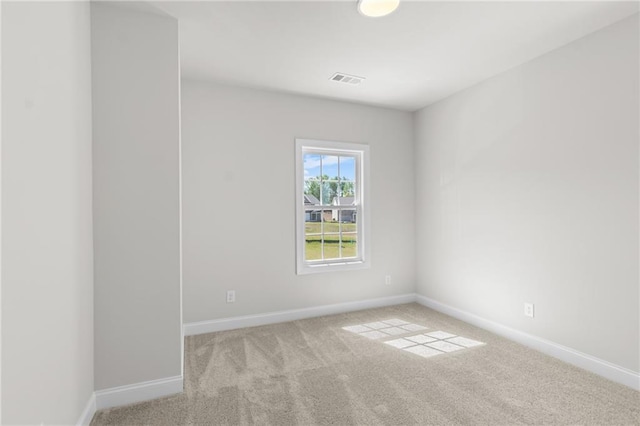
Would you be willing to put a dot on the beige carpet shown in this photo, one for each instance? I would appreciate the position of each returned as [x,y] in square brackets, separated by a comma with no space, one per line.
[314,372]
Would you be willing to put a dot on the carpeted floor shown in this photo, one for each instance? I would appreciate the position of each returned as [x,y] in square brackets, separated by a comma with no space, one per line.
[314,372]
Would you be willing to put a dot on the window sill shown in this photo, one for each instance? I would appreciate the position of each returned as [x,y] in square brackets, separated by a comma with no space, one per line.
[305,268]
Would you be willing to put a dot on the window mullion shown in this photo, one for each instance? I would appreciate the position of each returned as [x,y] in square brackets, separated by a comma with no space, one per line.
[340,233]
[321,211]
[339,195]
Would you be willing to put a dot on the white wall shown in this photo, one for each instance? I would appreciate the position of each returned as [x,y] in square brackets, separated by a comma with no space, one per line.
[136,196]
[239,200]
[47,277]
[527,189]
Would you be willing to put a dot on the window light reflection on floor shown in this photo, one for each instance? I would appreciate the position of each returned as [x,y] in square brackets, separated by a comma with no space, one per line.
[425,345]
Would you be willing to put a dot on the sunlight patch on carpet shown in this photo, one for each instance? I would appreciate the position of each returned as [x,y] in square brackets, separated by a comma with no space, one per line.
[440,335]
[421,339]
[375,334]
[425,345]
[385,328]
[423,351]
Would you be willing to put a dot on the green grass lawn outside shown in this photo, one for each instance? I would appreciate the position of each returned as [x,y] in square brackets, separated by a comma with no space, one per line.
[331,244]
[314,227]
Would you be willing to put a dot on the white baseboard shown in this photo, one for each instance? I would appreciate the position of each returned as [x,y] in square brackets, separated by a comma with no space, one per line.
[232,323]
[138,392]
[88,412]
[587,362]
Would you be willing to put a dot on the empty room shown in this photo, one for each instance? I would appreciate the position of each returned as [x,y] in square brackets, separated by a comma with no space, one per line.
[350,212]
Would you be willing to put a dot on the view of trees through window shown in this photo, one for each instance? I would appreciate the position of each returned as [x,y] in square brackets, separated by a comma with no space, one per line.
[330,200]
[330,187]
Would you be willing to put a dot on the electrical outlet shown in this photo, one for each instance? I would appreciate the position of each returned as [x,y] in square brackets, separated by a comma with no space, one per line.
[387,279]
[231,296]
[528,309]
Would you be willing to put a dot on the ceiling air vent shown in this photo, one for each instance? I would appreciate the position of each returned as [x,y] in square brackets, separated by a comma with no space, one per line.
[346,78]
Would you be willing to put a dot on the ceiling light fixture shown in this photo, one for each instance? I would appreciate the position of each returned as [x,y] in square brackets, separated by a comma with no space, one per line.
[377,8]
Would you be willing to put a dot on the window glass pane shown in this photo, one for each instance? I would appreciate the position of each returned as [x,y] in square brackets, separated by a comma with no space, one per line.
[311,179]
[349,244]
[330,178]
[348,168]
[330,236]
[347,180]
[330,247]
[330,164]
[348,234]
[331,225]
[311,165]
[348,191]
[328,192]
[311,193]
[312,235]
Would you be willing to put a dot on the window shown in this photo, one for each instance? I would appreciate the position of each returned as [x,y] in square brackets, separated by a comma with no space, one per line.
[331,206]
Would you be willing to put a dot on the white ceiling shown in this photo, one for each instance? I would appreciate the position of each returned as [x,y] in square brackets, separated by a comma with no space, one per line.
[423,52]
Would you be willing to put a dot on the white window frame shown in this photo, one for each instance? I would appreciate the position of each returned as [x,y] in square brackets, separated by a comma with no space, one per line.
[361,152]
